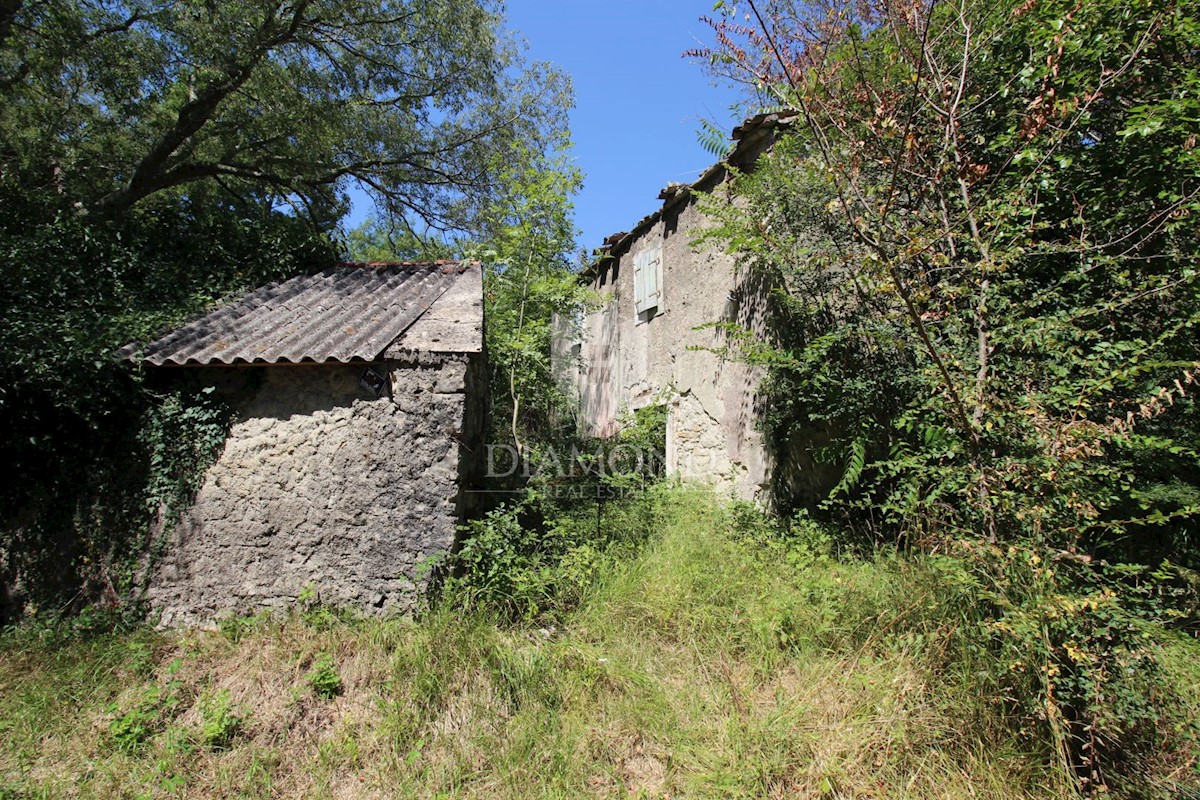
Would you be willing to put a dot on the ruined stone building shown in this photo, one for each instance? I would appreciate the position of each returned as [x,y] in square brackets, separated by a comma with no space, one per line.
[657,336]
[359,394]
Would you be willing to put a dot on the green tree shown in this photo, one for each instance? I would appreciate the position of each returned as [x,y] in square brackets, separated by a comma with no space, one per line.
[529,285]
[1017,261]
[983,233]
[110,102]
[378,240]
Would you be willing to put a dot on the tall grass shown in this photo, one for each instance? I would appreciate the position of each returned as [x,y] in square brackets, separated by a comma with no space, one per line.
[724,658]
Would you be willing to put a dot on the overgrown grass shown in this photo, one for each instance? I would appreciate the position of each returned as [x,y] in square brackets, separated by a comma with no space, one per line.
[722,659]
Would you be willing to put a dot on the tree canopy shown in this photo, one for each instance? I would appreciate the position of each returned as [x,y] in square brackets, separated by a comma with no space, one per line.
[107,102]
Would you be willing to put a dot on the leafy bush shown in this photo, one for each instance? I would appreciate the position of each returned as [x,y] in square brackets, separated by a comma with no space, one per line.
[323,678]
[534,557]
[1077,648]
[103,448]
[984,318]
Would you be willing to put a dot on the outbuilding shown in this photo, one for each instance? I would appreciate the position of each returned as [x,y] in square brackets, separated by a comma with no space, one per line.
[359,396]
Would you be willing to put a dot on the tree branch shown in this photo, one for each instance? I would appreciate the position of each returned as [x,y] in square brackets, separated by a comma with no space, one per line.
[148,176]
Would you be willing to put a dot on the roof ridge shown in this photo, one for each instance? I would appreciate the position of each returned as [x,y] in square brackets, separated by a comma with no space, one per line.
[675,191]
[442,262]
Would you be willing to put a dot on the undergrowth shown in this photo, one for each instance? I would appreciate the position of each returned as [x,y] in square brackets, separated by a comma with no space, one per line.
[724,656]
[586,505]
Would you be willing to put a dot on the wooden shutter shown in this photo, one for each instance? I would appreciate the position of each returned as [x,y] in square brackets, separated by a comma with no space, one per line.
[647,279]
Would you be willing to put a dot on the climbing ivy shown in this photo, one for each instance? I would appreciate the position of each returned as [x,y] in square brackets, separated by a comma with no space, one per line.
[78,289]
[182,434]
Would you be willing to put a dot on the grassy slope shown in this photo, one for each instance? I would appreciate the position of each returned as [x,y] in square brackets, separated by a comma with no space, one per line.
[708,666]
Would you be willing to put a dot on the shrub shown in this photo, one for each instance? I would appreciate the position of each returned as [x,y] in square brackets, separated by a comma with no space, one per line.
[532,558]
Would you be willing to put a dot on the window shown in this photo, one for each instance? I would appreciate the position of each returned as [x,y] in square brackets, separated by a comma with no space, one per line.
[647,281]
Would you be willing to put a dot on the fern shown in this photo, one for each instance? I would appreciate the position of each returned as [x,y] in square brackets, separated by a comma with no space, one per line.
[714,139]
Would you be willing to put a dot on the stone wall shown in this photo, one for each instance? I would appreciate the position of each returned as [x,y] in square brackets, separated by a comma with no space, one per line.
[323,485]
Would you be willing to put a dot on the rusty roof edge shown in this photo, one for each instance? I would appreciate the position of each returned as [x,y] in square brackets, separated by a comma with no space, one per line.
[673,194]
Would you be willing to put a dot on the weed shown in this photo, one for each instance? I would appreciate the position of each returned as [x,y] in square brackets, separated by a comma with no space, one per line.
[324,679]
[152,708]
[219,721]
[319,615]
[237,627]
[141,658]
[131,728]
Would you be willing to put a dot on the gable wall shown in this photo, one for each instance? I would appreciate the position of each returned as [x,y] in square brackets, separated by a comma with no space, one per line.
[626,362]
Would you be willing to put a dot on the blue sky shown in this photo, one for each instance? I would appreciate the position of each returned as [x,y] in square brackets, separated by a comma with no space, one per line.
[638,103]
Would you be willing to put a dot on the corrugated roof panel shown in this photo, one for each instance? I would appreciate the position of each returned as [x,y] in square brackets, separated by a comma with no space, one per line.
[350,312]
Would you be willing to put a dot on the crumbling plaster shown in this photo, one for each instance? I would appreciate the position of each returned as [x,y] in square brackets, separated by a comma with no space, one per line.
[627,362]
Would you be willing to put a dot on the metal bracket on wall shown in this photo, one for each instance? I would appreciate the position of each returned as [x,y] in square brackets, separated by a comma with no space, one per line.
[373,382]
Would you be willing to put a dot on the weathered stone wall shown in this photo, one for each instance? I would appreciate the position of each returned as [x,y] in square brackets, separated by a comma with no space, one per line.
[321,484]
[627,361]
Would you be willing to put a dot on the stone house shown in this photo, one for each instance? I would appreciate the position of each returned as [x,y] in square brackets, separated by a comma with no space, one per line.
[657,336]
[359,395]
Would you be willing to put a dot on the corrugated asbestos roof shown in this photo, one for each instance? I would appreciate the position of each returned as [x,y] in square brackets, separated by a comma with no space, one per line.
[350,312]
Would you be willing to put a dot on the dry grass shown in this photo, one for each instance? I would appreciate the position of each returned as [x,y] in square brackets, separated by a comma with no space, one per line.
[700,669]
